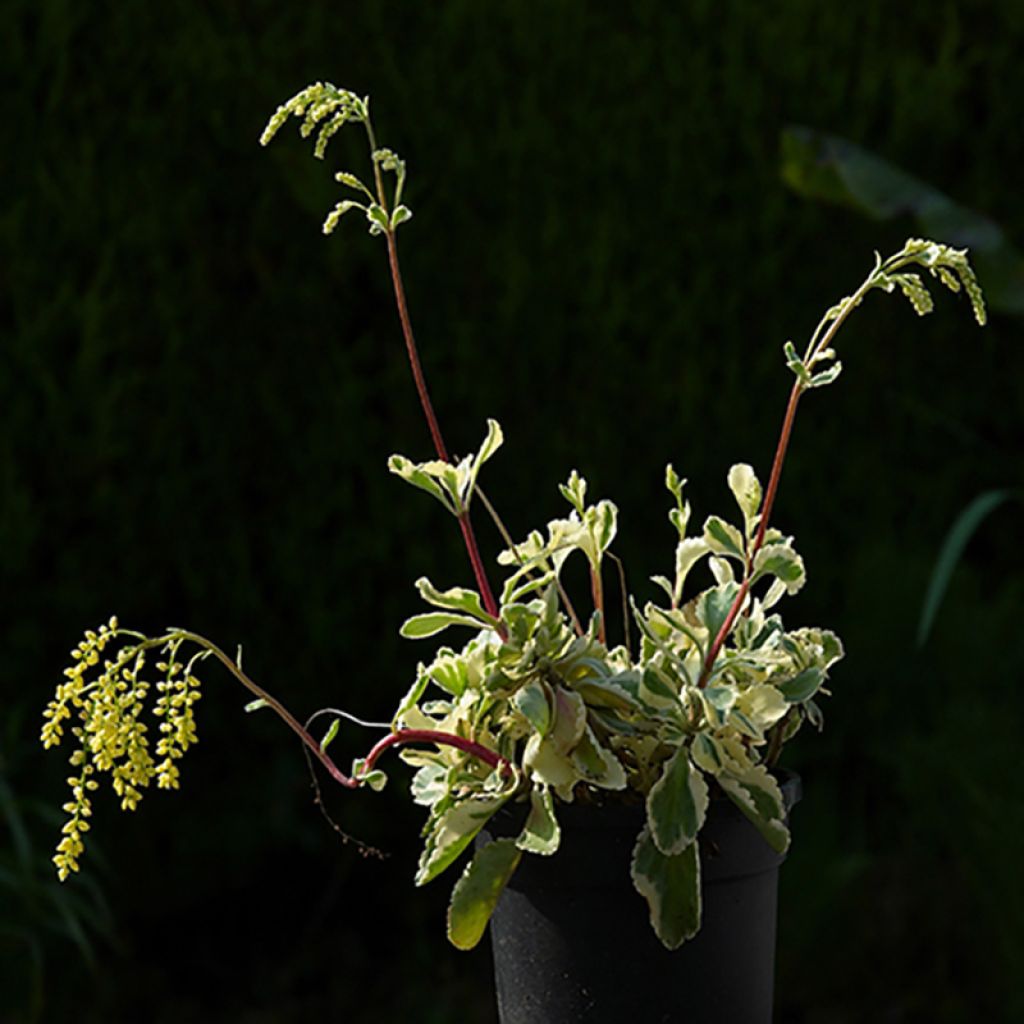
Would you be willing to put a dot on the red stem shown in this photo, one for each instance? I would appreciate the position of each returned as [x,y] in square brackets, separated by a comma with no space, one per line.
[483,584]
[392,739]
[403,736]
[766,510]
[597,592]
[411,351]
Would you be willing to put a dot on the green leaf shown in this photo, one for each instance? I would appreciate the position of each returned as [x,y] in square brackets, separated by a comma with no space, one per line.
[338,212]
[814,715]
[329,736]
[715,604]
[491,443]
[832,169]
[819,380]
[400,215]
[671,887]
[707,754]
[802,686]
[676,804]
[598,765]
[795,363]
[477,892]
[782,562]
[718,701]
[723,538]
[376,780]
[450,671]
[575,491]
[758,796]
[378,219]
[532,702]
[607,693]
[450,832]
[456,599]
[420,626]
[960,533]
[412,696]
[742,722]
[674,482]
[541,833]
[352,181]
[255,705]
[655,692]
[418,477]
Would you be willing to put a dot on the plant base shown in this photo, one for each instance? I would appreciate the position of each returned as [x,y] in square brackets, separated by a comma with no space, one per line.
[572,940]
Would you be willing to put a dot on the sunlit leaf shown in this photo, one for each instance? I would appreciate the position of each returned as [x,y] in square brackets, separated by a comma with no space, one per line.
[477,892]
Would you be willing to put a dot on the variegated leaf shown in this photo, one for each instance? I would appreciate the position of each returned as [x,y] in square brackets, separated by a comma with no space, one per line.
[457,599]
[714,605]
[429,784]
[450,832]
[429,623]
[413,695]
[598,765]
[575,491]
[758,796]
[492,442]
[707,753]
[764,705]
[718,701]
[746,489]
[781,561]
[478,890]
[533,703]
[802,686]
[723,538]
[541,833]
[450,671]
[546,763]
[419,477]
[676,804]
[671,887]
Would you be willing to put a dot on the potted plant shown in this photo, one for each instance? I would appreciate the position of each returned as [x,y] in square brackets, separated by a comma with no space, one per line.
[635,785]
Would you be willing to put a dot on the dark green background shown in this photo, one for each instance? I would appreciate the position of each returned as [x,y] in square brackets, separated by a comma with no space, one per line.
[198,394]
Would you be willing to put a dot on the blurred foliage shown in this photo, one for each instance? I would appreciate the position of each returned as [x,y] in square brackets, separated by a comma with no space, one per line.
[199,394]
[832,169]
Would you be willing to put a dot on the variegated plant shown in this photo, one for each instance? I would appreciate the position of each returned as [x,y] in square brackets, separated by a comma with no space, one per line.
[535,708]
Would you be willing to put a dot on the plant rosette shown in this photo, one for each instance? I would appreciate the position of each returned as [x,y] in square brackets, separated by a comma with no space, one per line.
[531,705]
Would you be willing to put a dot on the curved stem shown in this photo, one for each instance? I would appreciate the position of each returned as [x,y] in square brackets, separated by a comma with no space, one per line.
[282,712]
[404,736]
[473,549]
[400,737]
[412,352]
[814,348]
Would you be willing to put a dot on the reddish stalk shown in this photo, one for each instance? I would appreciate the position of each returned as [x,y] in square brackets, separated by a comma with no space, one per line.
[398,738]
[403,736]
[815,346]
[769,501]
[412,352]
[597,591]
[282,712]
[473,549]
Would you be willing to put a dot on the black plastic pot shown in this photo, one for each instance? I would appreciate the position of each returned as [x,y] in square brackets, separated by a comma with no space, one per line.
[572,939]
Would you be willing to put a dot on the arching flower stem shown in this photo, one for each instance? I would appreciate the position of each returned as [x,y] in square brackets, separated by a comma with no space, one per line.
[398,738]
